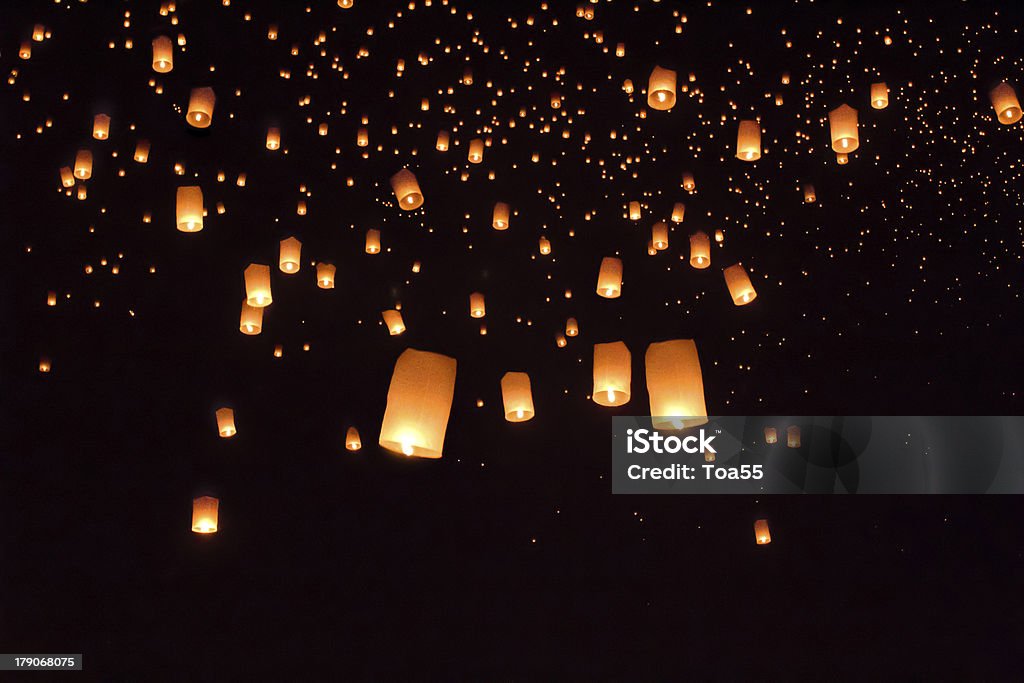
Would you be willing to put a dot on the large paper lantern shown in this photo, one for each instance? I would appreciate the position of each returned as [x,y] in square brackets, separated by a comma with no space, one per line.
[476,151]
[393,321]
[572,328]
[273,138]
[500,217]
[290,259]
[251,320]
[257,285]
[442,141]
[761,534]
[675,385]
[407,190]
[419,403]
[517,397]
[200,107]
[1004,101]
[373,241]
[163,54]
[748,141]
[612,374]
[740,288]
[661,89]
[325,275]
[659,235]
[634,211]
[879,95]
[843,124]
[204,514]
[476,305]
[609,278]
[67,177]
[678,212]
[352,440]
[226,422]
[190,208]
[700,250]
[83,164]
[101,127]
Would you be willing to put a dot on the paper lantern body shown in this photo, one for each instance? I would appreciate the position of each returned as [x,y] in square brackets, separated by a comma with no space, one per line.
[612,374]
[352,440]
[101,127]
[200,107]
[517,397]
[879,95]
[700,250]
[83,164]
[163,54]
[476,305]
[419,403]
[678,212]
[407,190]
[761,534]
[290,258]
[226,422]
[190,208]
[476,151]
[843,124]
[675,385]
[205,511]
[609,278]
[748,141]
[325,275]
[1004,101]
[251,320]
[661,89]
[771,435]
[659,235]
[257,285]
[393,321]
[793,436]
[738,282]
[373,241]
[500,217]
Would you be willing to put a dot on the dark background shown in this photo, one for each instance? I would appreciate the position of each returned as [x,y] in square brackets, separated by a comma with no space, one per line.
[508,559]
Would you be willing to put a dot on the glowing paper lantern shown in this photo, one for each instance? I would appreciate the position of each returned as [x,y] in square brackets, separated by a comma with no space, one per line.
[634,211]
[226,422]
[200,107]
[500,217]
[190,208]
[659,235]
[25,51]
[793,436]
[842,158]
[612,374]
[843,123]
[809,195]
[761,533]
[678,212]
[700,250]
[476,151]
[101,127]
[257,285]
[251,321]
[83,164]
[362,137]
[609,278]
[442,141]
[44,364]
[352,440]
[544,245]
[204,514]
[476,305]
[163,54]
[771,435]
[517,397]
[393,321]
[142,151]
[748,141]
[675,385]
[879,95]
[67,177]
[373,241]
[419,403]
[689,184]
[572,328]
[325,275]
[661,89]
[740,288]
[273,138]
[289,260]
[1004,101]
[407,190]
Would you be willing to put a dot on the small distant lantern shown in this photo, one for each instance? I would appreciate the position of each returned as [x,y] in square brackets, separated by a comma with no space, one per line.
[289,261]
[251,320]
[612,374]
[67,177]
[393,321]
[163,54]
[226,422]
[748,141]
[572,328]
[273,138]
[560,341]
[373,241]
[678,212]
[879,95]
[809,195]
[352,440]
[142,151]
[500,217]
[843,124]
[442,141]
[675,385]
[517,397]
[44,364]
[476,305]
[544,246]
[101,127]
[419,404]
[659,235]
[325,275]
[51,298]
[257,285]
[190,208]
[476,151]
[1004,101]
[761,533]
[842,158]
[83,164]
[688,182]
[661,89]
[700,250]
[200,107]
[634,211]
[609,278]
[25,51]
[771,435]
[793,436]
[362,137]
[740,288]
[204,514]
[407,190]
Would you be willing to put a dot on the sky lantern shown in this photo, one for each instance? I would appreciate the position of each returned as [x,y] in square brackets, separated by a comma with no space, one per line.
[748,141]
[25,51]
[678,212]
[226,422]
[101,127]
[560,341]
[879,95]
[362,137]
[67,177]
[407,190]
[1004,101]
[44,364]
[659,235]
[842,158]
[476,151]
[373,241]
[634,211]
[346,4]
[661,89]
[609,278]
[842,122]
[190,208]
[675,385]
[251,320]
[761,533]
[442,141]
[572,328]
[419,403]
[793,436]
[163,54]
[500,218]
[257,285]
[612,374]
[517,396]
[83,164]
[700,250]
[204,514]
[393,321]
[289,261]
[689,184]
[325,275]
[544,245]
[352,440]
[273,138]
[200,107]
[740,288]
[809,195]
[771,435]
[476,305]
[141,151]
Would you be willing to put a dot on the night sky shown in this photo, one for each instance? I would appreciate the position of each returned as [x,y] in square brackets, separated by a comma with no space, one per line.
[897,292]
